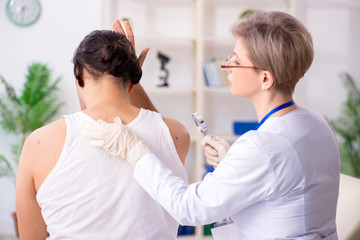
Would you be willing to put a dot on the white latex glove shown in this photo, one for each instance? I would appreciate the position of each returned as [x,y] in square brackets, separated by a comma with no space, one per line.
[116,139]
[215,149]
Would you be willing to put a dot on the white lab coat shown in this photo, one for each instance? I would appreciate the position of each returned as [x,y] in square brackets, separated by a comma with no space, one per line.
[279,182]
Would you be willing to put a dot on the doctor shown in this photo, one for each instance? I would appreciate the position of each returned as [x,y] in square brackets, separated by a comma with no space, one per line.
[280,181]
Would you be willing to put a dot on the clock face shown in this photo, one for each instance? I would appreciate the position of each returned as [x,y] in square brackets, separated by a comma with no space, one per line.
[23,12]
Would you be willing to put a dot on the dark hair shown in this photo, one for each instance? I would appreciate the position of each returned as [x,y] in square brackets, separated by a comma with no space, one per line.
[106,52]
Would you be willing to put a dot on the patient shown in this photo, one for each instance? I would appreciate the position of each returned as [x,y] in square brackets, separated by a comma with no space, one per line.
[63,191]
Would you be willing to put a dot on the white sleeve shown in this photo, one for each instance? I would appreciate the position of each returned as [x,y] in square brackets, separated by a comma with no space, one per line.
[243,177]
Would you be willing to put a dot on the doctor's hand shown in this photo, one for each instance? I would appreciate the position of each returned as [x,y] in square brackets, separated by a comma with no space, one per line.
[215,149]
[117,139]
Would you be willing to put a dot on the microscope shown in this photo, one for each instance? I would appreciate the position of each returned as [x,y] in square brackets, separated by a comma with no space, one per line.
[164,73]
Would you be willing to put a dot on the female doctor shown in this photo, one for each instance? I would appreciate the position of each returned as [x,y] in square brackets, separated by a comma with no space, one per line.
[280,181]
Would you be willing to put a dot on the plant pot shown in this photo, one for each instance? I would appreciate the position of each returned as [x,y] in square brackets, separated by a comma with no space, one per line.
[15,224]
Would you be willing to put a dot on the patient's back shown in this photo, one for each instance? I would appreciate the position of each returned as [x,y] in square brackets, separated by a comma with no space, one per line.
[90,194]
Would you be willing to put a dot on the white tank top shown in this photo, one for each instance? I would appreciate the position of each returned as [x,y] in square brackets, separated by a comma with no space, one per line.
[90,194]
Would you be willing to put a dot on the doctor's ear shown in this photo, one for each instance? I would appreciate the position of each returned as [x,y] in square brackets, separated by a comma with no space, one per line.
[267,80]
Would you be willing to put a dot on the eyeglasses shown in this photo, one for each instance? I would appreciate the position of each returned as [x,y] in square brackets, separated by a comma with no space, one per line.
[225,64]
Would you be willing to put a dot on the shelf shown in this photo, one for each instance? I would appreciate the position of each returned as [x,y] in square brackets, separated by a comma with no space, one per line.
[180,3]
[345,3]
[158,21]
[214,89]
[220,40]
[166,41]
[192,237]
[246,4]
[178,90]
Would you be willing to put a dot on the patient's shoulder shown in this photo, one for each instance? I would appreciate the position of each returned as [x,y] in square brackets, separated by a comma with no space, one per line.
[48,135]
[180,136]
[42,149]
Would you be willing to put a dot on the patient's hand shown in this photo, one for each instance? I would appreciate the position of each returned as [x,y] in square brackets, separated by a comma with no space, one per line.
[130,36]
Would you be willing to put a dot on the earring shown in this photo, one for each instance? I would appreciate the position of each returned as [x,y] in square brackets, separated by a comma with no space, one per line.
[263,88]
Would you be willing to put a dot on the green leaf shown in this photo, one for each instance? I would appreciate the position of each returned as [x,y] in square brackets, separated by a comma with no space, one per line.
[16,151]
[21,114]
[246,13]
[10,91]
[347,127]
[9,106]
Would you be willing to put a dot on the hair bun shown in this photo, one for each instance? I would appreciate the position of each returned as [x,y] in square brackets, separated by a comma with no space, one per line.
[108,52]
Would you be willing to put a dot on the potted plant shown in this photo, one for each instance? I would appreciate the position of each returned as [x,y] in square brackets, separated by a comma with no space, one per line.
[347,127]
[21,114]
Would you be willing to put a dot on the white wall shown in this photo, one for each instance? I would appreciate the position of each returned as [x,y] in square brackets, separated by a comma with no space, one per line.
[53,39]
[336,36]
[63,24]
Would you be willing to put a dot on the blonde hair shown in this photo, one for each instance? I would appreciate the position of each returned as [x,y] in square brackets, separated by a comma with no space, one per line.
[279,43]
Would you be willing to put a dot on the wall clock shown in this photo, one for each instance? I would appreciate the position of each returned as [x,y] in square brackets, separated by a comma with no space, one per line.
[23,12]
